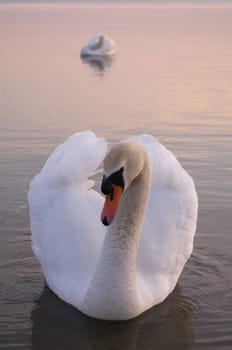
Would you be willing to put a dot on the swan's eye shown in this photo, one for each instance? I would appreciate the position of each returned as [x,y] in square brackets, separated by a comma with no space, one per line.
[114,179]
[117,178]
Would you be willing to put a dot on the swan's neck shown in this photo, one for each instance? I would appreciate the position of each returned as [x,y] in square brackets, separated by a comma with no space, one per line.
[99,44]
[113,290]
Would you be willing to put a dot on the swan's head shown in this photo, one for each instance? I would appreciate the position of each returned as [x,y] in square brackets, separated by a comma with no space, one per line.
[122,165]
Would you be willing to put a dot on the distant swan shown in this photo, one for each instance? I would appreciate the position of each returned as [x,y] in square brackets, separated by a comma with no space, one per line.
[150,211]
[99,45]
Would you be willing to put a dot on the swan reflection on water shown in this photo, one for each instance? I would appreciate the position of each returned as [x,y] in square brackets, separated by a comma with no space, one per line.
[98,63]
[59,325]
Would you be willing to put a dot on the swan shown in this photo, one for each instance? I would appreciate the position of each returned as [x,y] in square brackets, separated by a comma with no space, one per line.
[118,270]
[99,45]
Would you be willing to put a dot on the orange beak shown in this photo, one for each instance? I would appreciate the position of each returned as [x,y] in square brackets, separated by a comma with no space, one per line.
[111,204]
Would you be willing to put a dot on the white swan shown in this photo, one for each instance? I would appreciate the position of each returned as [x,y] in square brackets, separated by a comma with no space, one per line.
[118,273]
[99,45]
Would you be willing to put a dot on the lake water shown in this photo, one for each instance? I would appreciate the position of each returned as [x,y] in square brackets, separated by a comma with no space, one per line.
[172,77]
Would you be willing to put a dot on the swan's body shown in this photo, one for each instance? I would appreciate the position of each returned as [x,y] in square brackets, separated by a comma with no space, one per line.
[119,273]
[99,45]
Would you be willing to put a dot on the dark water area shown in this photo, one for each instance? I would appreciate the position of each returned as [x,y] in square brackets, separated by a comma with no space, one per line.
[72,329]
[171,78]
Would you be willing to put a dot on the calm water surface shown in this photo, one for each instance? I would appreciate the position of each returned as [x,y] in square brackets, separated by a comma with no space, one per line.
[172,77]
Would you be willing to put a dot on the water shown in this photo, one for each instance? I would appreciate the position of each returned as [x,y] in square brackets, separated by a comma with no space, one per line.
[171,78]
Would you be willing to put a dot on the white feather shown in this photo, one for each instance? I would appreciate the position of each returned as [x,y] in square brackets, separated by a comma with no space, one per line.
[67,234]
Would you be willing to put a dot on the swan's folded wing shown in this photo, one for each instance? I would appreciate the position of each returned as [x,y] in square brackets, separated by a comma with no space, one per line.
[65,214]
[170,221]
[73,161]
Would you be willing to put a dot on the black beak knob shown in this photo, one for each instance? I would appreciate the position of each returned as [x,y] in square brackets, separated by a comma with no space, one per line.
[106,186]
